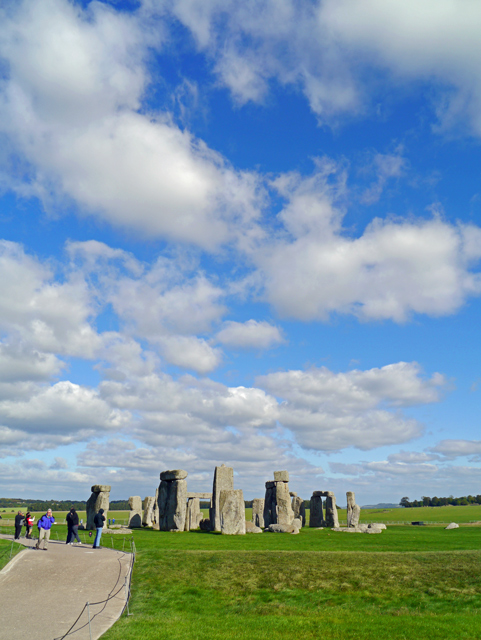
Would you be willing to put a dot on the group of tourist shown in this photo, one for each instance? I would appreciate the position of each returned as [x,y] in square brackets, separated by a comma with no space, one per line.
[45,523]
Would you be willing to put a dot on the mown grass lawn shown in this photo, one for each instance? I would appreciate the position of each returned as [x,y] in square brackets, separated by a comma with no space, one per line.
[403,583]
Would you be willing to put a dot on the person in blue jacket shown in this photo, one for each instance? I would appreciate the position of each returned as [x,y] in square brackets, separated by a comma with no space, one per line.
[99,525]
[44,525]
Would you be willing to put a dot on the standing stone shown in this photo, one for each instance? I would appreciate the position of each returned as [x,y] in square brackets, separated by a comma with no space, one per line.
[193,515]
[332,519]
[148,507]
[258,512]
[172,500]
[316,517]
[299,509]
[99,499]
[135,516]
[155,514]
[353,510]
[277,503]
[232,512]
[223,481]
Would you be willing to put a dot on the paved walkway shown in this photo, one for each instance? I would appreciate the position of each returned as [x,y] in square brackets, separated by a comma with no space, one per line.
[43,592]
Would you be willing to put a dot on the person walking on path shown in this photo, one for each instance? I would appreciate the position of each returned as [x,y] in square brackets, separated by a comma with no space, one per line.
[44,525]
[99,524]
[29,520]
[72,526]
[19,520]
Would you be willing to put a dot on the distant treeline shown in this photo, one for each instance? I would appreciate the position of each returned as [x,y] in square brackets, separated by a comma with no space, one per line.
[55,505]
[426,501]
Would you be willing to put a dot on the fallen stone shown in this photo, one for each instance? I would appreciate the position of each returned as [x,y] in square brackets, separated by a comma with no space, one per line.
[452,525]
[282,528]
[251,527]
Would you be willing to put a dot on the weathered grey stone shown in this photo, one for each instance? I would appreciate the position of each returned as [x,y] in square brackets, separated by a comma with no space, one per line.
[204,524]
[98,500]
[353,510]
[193,515]
[282,528]
[299,509]
[155,515]
[223,481]
[101,488]
[202,495]
[332,519]
[172,503]
[251,527]
[135,516]
[452,525]
[293,494]
[277,504]
[316,518]
[258,512]
[362,528]
[281,476]
[148,507]
[232,512]
[174,474]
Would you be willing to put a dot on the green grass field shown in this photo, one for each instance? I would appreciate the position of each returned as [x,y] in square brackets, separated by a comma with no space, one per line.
[406,582]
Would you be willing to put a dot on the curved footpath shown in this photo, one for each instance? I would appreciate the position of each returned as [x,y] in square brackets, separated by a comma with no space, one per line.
[43,592]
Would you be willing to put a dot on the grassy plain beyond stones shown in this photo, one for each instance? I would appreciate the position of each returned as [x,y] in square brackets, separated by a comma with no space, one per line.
[406,582]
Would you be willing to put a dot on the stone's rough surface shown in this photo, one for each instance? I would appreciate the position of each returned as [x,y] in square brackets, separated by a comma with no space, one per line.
[223,481]
[293,494]
[148,507]
[232,512]
[135,516]
[202,495]
[452,525]
[316,518]
[204,524]
[98,500]
[297,523]
[172,501]
[251,527]
[353,510]
[277,504]
[332,519]
[299,509]
[101,488]
[282,528]
[193,515]
[258,512]
[174,474]
[155,514]
[362,528]
[281,476]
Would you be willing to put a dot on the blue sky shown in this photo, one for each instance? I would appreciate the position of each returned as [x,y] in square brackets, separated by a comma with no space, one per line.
[243,234]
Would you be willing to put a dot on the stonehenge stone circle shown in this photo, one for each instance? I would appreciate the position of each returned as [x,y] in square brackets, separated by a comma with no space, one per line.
[223,481]
[135,516]
[316,518]
[148,507]
[353,510]
[232,512]
[99,499]
[258,512]
[277,503]
[172,500]
[331,518]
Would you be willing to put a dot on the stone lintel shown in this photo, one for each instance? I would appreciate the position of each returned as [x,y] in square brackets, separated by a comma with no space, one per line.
[199,494]
[173,474]
[99,488]
[323,494]
[281,476]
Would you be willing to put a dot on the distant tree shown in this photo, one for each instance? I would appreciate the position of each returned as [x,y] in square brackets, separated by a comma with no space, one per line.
[404,502]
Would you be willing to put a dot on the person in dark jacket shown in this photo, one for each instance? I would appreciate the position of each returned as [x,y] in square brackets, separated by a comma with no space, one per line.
[99,524]
[44,525]
[29,519]
[72,526]
[19,520]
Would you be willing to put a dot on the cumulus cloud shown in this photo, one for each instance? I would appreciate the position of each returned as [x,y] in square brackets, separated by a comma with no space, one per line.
[250,335]
[394,269]
[451,449]
[69,105]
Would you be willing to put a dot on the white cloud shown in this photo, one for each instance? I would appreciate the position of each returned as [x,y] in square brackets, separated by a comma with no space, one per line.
[77,125]
[20,362]
[451,449]
[191,353]
[395,269]
[252,334]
